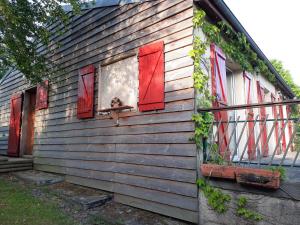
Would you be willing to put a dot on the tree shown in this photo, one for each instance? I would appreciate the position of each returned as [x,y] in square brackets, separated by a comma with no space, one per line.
[286,75]
[24,28]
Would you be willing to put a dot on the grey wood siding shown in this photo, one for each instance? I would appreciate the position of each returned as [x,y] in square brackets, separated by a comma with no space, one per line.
[148,161]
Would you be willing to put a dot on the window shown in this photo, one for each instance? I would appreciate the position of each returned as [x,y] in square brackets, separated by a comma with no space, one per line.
[119,79]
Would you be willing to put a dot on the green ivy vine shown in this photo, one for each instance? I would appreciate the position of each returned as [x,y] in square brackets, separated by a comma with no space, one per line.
[219,202]
[215,197]
[235,46]
[202,120]
[248,214]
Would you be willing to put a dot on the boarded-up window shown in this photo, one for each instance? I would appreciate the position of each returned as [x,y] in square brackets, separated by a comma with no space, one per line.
[42,95]
[151,77]
[119,79]
[15,125]
[85,101]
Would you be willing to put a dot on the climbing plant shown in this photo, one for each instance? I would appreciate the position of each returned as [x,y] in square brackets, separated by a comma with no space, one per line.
[219,202]
[215,197]
[201,78]
[242,210]
[235,46]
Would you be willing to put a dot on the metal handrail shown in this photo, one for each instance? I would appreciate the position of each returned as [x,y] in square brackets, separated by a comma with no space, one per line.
[248,106]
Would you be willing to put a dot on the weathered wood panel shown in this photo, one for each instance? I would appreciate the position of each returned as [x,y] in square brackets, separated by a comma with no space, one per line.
[146,149]
[148,160]
[158,208]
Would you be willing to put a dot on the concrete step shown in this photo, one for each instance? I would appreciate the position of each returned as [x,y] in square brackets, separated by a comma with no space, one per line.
[3,159]
[15,169]
[15,164]
[27,156]
[16,161]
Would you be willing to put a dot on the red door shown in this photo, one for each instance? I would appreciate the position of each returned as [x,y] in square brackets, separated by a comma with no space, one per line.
[275,115]
[219,90]
[282,126]
[15,125]
[262,110]
[250,116]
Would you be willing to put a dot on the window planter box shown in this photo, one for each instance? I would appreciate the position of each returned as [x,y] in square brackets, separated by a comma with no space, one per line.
[219,171]
[258,177]
[250,176]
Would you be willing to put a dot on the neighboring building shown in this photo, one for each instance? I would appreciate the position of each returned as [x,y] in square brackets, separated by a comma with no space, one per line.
[137,52]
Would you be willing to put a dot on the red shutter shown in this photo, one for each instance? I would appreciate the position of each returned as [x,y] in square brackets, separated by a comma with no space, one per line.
[85,101]
[275,115]
[15,125]
[42,95]
[282,126]
[250,117]
[262,110]
[151,77]
[219,86]
[290,124]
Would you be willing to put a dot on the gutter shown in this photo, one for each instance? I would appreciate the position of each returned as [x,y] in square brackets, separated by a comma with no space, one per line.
[227,14]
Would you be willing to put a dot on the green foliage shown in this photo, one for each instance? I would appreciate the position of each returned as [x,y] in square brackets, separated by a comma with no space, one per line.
[202,120]
[234,45]
[24,29]
[279,169]
[286,75]
[215,157]
[242,211]
[215,197]
[219,201]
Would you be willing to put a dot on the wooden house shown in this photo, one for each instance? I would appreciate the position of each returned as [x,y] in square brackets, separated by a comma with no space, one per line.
[140,148]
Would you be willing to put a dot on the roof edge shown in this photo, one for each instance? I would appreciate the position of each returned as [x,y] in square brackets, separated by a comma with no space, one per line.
[6,74]
[100,3]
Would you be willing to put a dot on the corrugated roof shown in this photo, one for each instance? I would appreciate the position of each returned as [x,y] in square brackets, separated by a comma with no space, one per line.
[103,3]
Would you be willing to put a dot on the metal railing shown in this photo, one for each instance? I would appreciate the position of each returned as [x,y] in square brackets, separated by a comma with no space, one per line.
[260,134]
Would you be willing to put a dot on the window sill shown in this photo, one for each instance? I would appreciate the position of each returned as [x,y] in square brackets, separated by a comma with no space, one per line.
[121,108]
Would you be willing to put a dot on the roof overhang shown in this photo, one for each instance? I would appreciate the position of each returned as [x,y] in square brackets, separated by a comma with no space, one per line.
[218,10]
[5,75]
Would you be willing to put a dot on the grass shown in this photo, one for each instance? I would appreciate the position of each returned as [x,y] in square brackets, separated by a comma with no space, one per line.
[19,207]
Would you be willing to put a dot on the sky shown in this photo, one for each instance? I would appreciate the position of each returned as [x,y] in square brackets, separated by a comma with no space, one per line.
[274,26]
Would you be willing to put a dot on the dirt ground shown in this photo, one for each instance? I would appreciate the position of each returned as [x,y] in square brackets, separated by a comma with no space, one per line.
[111,213]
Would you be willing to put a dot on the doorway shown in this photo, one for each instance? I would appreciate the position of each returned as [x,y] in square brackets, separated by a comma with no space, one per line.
[27,134]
